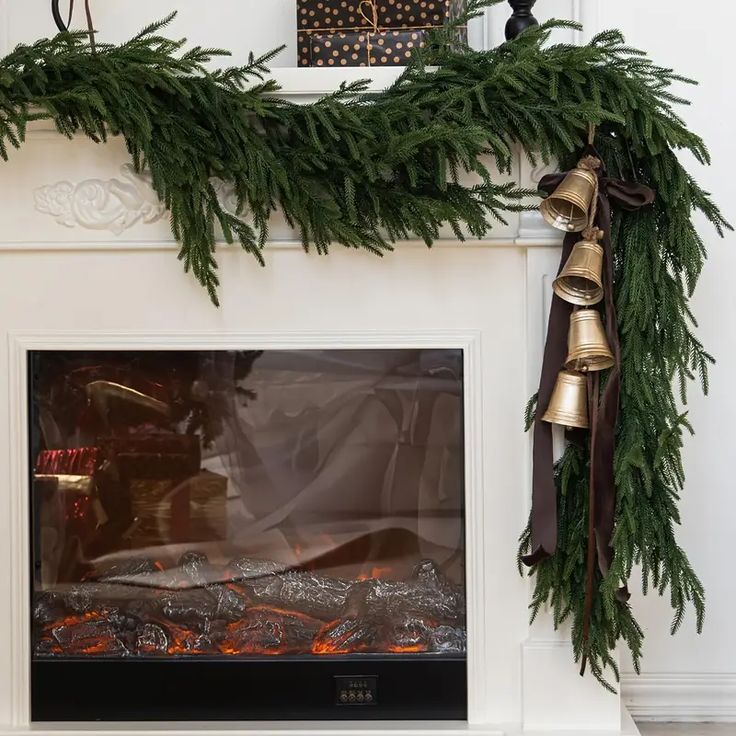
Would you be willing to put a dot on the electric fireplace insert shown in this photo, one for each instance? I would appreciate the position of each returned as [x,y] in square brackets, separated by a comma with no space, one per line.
[247,535]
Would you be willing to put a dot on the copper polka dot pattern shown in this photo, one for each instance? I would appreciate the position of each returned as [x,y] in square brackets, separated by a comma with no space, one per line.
[357,32]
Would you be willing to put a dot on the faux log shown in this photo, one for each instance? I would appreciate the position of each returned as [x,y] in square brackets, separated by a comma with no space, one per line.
[262,608]
[405,634]
[269,631]
[427,593]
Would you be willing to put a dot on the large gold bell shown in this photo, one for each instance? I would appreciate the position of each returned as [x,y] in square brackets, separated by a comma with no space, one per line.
[587,346]
[568,207]
[568,405]
[580,280]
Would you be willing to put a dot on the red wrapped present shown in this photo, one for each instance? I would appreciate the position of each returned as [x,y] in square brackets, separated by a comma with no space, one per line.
[125,491]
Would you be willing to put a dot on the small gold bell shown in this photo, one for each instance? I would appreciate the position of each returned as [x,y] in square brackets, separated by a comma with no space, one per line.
[568,404]
[568,207]
[580,280]
[587,346]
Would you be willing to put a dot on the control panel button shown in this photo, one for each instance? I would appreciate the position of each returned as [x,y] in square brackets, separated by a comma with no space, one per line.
[356,690]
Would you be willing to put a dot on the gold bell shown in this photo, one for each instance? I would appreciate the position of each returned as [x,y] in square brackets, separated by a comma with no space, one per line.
[580,280]
[587,346]
[568,404]
[568,207]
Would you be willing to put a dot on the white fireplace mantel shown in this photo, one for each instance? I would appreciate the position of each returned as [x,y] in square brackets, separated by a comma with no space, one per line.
[87,261]
[77,195]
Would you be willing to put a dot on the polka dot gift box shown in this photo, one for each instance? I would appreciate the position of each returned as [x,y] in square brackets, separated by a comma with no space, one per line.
[369,33]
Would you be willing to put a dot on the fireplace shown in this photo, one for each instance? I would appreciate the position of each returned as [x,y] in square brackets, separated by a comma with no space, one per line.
[99,286]
[247,534]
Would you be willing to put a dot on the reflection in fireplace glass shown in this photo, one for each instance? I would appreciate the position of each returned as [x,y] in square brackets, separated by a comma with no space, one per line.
[247,503]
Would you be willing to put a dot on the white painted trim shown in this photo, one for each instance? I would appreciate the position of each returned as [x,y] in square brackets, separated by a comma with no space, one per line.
[19,543]
[19,343]
[682,697]
[255,728]
[628,726]
[495,25]
[476,571]
[586,13]
[301,82]
[35,246]
[322,728]
[4,27]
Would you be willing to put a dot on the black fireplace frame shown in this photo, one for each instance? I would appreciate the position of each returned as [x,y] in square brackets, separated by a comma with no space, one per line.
[422,687]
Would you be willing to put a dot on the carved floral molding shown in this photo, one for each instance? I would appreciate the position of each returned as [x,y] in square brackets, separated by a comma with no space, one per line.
[98,204]
[112,204]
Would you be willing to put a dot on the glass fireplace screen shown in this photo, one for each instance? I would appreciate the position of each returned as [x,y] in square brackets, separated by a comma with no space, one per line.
[247,503]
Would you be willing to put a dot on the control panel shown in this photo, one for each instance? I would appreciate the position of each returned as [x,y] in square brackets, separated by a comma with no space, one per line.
[356,690]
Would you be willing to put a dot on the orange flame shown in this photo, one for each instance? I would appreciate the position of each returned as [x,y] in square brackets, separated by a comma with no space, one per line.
[376,573]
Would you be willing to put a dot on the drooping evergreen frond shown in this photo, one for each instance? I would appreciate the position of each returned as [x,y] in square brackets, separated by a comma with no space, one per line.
[366,170]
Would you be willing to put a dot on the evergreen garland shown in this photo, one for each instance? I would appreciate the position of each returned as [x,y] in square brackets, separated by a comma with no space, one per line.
[366,171]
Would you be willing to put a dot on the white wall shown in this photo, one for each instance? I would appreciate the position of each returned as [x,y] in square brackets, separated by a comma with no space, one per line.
[240,26]
[237,25]
[696,39]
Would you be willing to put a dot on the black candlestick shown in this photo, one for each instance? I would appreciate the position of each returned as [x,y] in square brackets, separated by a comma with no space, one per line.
[521,19]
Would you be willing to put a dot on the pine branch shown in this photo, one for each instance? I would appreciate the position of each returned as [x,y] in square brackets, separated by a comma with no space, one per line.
[366,170]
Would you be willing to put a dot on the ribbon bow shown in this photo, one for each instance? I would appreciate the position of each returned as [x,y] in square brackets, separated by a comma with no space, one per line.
[372,19]
[544,527]
[63,27]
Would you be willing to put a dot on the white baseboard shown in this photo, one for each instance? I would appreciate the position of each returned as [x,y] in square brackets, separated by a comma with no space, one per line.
[683,697]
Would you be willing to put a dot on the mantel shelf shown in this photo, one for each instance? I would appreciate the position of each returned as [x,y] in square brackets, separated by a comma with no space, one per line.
[522,241]
[301,82]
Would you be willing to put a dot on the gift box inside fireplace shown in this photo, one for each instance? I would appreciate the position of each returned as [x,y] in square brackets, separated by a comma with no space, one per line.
[372,32]
[247,534]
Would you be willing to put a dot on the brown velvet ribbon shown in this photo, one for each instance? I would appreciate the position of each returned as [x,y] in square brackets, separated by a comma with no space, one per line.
[544,526]
[62,26]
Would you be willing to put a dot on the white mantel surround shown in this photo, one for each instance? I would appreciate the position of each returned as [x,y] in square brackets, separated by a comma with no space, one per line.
[87,261]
